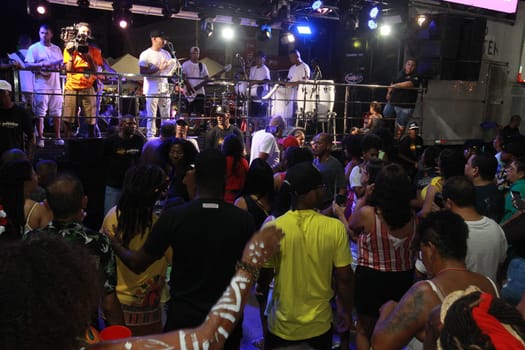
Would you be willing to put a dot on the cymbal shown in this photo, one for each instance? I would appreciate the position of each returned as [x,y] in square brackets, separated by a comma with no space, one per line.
[221,83]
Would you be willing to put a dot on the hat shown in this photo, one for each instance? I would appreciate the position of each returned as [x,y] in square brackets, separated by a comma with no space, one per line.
[288,141]
[157,34]
[181,122]
[4,85]
[303,177]
[413,126]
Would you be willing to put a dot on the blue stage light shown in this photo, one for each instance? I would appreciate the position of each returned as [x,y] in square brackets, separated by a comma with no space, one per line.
[316,5]
[304,29]
[374,12]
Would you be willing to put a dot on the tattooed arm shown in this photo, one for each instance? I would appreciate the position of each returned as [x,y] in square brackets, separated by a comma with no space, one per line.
[399,323]
[223,317]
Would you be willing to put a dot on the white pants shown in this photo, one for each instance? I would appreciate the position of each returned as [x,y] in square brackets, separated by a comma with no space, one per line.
[163,104]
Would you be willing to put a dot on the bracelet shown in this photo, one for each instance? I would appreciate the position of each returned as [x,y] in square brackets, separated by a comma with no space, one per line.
[251,269]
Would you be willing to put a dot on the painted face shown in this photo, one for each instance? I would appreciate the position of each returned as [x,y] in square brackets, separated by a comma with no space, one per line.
[513,174]
[410,67]
[176,154]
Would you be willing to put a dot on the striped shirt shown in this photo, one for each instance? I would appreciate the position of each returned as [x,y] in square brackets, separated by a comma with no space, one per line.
[379,250]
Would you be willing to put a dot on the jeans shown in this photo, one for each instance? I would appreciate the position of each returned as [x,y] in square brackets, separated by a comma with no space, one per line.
[403,115]
[514,287]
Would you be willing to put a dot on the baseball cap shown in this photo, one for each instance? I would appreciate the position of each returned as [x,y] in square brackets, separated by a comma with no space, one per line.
[288,141]
[413,126]
[181,122]
[4,85]
[303,177]
[157,34]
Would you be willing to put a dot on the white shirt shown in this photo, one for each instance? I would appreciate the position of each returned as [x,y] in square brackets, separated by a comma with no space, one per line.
[299,72]
[39,53]
[264,142]
[26,77]
[192,70]
[259,73]
[486,247]
[152,84]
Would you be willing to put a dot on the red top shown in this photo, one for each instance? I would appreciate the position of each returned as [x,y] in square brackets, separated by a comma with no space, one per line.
[235,178]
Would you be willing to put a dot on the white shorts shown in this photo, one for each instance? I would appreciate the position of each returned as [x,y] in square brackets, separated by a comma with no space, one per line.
[48,103]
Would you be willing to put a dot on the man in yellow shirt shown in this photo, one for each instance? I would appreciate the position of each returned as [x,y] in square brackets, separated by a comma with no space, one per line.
[81,59]
[314,248]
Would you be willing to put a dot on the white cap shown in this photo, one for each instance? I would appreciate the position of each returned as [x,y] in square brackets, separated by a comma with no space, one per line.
[4,85]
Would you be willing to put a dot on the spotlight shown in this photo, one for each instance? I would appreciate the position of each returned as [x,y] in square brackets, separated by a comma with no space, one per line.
[170,7]
[287,38]
[122,16]
[209,29]
[372,24]
[265,32]
[83,4]
[316,5]
[374,12]
[228,33]
[38,8]
[385,30]
[304,29]
[207,26]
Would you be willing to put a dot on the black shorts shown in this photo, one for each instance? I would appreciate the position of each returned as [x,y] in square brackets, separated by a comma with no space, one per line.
[373,288]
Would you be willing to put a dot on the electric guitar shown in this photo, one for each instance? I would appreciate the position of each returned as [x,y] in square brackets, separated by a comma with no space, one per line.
[191,96]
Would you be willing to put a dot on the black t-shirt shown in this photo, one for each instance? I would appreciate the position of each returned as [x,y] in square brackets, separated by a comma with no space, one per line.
[411,148]
[121,154]
[405,97]
[207,237]
[216,135]
[14,123]
[490,201]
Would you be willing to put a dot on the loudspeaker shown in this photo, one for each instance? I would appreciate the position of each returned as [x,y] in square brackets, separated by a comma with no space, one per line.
[450,48]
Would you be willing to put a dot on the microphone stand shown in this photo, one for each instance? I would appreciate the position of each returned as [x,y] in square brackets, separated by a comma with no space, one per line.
[178,73]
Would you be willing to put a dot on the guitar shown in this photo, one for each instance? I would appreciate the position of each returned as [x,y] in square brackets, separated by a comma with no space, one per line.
[191,96]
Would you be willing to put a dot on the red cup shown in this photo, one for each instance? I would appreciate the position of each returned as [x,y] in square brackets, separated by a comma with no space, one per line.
[115,332]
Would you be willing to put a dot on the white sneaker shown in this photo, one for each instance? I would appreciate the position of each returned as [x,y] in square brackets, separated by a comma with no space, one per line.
[40,143]
[59,142]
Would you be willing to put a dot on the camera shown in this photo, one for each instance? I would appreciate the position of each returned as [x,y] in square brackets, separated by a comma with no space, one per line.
[80,42]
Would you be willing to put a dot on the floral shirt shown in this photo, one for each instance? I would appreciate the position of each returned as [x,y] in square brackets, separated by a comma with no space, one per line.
[97,244]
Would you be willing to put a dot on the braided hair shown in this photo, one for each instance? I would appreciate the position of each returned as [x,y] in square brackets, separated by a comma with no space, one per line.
[460,330]
[143,185]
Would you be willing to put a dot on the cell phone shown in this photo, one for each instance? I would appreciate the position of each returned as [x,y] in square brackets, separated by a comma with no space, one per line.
[272,129]
[518,201]
[340,200]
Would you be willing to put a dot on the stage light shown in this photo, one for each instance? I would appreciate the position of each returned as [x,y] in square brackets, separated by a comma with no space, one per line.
[304,29]
[385,30]
[372,24]
[421,20]
[287,38]
[374,12]
[122,16]
[83,4]
[316,5]
[265,32]
[38,8]
[170,7]
[209,29]
[227,33]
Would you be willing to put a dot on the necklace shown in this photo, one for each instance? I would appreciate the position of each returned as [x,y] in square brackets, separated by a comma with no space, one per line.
[451,269]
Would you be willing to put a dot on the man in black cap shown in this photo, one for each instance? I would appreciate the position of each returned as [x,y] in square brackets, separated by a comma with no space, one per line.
[181,131]
[155,62]
[410,149]
[216,135]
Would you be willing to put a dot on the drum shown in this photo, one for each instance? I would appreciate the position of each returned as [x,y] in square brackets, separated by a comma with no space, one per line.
[326,89]
[257,91]
[241,89]
[306,98]
[282,103]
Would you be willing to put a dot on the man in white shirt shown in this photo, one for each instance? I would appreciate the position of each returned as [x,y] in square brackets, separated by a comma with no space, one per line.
[264,142]
[26,77]
[486,244]
[44,56]
[259,71]
[298,72]
[195,73]
[156,61]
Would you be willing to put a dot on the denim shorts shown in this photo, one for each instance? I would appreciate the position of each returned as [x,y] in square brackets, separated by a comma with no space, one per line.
[514,287]
[403,115]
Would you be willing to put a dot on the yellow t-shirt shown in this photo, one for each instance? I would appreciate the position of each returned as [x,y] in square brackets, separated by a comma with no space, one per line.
[142,290]
[437,182]
[312,246]
[77,81]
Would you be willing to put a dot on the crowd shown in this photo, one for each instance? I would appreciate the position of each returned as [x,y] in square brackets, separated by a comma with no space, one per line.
[404,245]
